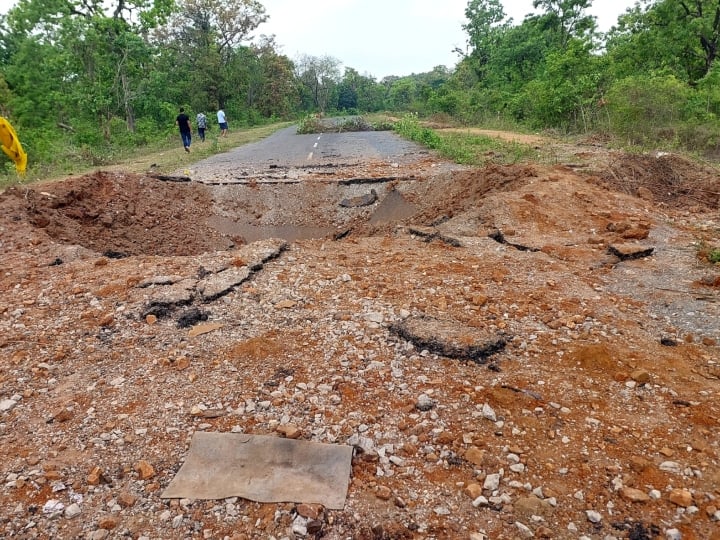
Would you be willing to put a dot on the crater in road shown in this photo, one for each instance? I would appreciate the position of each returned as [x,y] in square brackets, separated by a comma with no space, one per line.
[258,191]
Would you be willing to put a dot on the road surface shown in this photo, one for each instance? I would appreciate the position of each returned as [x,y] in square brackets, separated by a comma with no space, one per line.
[287,156]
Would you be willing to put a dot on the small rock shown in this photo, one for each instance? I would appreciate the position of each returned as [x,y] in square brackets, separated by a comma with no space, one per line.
[481,502]
[310,511]
[526,507]
[523,530]
[681,497]
[289,431]
[475,455]
[593,516]
[126,499]
[72,511]
[492,482]
[473,491]
[489,413]
[108,522]
[7,405]
[424,403]
[144,469]
[95,476]
[634,495]
[640,376]
[671,466]
[673,534]
[545,532]
[383,493]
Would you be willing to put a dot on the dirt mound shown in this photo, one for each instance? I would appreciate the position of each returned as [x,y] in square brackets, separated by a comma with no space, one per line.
[120,214]
[666,178]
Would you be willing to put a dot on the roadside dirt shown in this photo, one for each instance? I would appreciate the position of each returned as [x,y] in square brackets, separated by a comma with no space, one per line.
[594,413]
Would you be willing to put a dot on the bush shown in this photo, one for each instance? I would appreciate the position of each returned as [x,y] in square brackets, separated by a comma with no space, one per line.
[646,109]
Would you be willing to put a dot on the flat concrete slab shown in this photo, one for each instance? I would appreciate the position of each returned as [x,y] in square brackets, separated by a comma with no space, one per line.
[264,469]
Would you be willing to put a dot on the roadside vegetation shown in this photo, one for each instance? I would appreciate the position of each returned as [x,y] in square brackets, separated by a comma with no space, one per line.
[89,84]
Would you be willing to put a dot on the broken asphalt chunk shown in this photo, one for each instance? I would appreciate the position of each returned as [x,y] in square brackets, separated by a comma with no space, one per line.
[177,294]
[191,317]
[428,234]
[450,338]
[629,252]
[499,237]
[363,200]
[216,285]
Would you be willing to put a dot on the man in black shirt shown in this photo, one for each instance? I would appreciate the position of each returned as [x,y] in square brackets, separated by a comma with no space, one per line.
[183,122]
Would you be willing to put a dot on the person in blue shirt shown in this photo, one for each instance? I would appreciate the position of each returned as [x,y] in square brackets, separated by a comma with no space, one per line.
[201,125]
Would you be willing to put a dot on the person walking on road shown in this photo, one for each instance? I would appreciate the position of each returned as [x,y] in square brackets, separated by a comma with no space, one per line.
[183,122]
[201,125]
[222,121]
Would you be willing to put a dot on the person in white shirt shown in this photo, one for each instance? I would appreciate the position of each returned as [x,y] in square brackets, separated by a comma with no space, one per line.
[222,120]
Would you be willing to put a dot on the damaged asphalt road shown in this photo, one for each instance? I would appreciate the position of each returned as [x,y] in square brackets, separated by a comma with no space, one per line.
[486,391]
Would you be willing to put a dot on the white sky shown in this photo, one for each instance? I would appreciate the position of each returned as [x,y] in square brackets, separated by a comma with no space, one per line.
[385,37]
[390,37]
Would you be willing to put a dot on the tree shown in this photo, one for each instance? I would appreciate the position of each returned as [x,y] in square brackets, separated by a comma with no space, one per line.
[204,38]
[676,36]
[484,27]
[567,19]
[93,55]
[318,75]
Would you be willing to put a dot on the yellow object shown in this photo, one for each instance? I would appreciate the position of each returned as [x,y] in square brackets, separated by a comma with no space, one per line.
[11,146]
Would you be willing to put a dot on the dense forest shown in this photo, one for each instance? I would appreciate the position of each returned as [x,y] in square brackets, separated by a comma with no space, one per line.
[84,78]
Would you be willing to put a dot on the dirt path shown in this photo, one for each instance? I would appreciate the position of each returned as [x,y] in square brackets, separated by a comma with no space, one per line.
[512,351]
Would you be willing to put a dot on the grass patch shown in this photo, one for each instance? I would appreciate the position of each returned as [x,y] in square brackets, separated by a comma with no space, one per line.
[708,253]
[162,156]
[465,148]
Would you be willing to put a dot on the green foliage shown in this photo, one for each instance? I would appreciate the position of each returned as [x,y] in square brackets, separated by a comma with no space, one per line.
[464,148]
[646,108]
[714,256]
[315,124]
[309,124]
[682,38]
[410,128]
[566,93]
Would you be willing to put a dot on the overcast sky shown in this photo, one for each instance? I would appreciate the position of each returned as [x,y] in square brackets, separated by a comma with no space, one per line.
[390,37]
[385,37]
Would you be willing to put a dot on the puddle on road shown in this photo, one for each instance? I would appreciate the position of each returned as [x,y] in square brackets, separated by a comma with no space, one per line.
[253,233]
[393,207]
